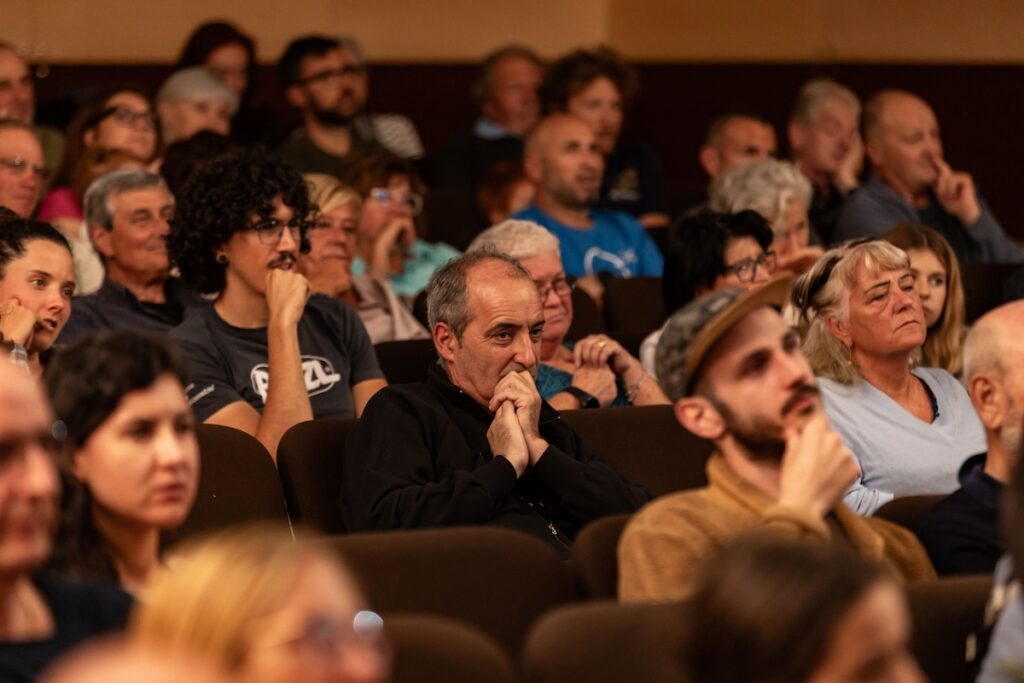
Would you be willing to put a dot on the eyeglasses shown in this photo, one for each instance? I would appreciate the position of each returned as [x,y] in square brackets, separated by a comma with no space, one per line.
[321,638]
[746,269]
[19,166]
[560,286]
[129,118]
[410,200]
[349,70]
[271,230]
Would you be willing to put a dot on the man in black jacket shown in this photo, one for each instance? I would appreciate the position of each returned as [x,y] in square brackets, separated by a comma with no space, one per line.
[475,443]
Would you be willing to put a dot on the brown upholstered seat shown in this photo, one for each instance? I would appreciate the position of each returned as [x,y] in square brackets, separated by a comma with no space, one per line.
[496,579]
[405,361]
[309,459]
[586,316]
[984,287]
[633,304]
[594,560]
[433,649]
[909,512]
[945,613]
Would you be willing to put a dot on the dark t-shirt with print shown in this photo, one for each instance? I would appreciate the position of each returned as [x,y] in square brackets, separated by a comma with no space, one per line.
[229,364]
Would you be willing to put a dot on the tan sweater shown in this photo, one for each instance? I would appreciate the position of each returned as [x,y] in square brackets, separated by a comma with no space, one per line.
[663,545]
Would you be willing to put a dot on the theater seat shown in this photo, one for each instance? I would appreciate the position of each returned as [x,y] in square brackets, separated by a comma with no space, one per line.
[946,612]
[909,512]
[984,287]
[405,361]
[586,316]
[633,304]
[495,579]
[309,459]
[646,444]
[595,559]
[606,642]
[433,649]
[238,483]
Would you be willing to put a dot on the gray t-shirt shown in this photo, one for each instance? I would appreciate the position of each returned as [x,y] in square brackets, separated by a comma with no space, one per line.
[229,364]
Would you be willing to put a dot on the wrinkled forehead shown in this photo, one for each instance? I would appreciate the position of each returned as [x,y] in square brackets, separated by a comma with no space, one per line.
[495,290]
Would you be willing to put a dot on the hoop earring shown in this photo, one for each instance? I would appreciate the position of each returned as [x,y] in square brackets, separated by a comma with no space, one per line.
[222,259]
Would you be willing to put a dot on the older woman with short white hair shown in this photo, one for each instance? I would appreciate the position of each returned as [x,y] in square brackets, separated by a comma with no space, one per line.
[594,371]
[862,325]
[781,194]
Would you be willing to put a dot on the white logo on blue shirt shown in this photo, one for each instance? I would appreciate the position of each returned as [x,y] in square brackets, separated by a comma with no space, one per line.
[618,262]
[317,372]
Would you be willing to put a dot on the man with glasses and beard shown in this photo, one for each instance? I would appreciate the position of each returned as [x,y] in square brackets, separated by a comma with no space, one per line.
[737,376]
[265,355]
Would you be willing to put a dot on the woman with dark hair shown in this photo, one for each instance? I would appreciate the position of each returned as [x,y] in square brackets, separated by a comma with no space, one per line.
[131,460]
[710,251]
[37,281]
[598,87]
[774,610]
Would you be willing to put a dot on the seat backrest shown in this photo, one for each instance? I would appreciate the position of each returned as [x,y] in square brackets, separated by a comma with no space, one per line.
[405,361]
[595,559]
[238,483]
[586,316]
[909,512]
[633,304]
[433,649]
[309,459]
[984,287]
[946,612]
[646,444]
[495,579]
[605,642]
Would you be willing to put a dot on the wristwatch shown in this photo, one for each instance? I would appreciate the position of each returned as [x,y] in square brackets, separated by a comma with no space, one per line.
[586,400]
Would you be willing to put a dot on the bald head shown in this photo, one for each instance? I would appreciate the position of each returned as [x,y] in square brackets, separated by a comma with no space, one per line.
[890,106]
[563,160]
[901,138]
[993,344]
[551,128]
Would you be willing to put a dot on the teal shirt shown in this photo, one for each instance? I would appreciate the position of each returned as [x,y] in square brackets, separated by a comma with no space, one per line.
[423,259]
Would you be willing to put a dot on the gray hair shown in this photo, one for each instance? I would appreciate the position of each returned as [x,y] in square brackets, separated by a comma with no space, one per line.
[97,203]
[196,84]
[767,187]
[816,92]
[448,293]
[516,239]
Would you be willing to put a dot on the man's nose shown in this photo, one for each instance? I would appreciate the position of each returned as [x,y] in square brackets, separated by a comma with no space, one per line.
[288,241]
[526,355]
[39,479]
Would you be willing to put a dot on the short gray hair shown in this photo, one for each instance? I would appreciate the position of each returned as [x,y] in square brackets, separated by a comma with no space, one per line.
[196,84]
[97,202]
[516,239]
[448,294]
[767,187]
[816,92]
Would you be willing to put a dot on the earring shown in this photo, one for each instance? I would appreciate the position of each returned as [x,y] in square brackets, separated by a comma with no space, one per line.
[222,259]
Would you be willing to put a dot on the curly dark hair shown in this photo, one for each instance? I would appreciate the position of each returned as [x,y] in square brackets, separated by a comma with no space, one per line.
[218,200]
[577,70]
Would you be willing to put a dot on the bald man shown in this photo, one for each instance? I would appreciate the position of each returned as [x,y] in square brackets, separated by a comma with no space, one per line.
[563,161]
[912,182]
[18,102]
[962,533]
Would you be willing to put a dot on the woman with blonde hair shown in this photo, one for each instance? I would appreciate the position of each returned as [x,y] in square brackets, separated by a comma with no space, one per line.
[328,264]
[938,284]
[862,325]
[264,609]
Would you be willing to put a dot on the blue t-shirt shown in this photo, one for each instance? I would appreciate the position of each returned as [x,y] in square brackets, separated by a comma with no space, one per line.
[616,244]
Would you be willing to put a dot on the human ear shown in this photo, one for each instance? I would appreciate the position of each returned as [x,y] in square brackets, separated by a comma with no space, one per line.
[709,161]
[445,342]
[797,136]
[295,97]
[988,399]
[840,331]
[699,416]
[100,238]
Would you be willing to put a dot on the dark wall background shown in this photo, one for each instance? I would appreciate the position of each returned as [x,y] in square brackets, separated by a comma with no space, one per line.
[979,107]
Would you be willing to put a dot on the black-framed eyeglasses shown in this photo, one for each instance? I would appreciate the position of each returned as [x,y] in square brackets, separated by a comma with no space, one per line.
[271,230]
[19,166]
[560,286]
[347,71]
[409,200]
[128,118]
[746,270]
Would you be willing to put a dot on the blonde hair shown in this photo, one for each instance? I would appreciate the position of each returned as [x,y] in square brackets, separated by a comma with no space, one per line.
[328,193]
[204,604]
[823,292]
[943,348]
[767,187]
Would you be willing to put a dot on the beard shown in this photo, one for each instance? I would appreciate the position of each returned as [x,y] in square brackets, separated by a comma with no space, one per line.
[331,117]
[1012,433]
[762,437]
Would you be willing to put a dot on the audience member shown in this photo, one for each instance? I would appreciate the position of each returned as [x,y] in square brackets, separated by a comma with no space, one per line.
[735,139]
[475,443]
[42,617]
[827,148]
[734,369]
[709,251]
[128,214]
[194,99]
[598,86]
[328,265]
[911,182]
[183,157]
[591,373]
[842,620]
[131,460]
[939,286]
[264,609]
[861,321]
[265,355]
[117,660]
[779,192]
[564,162]
[962,533]
[18,102]
[37,281]
[505,190]
[506,90]
[22,170]
[387,244]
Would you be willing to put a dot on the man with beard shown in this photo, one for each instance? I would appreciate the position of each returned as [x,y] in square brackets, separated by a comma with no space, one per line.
[325,79]
[564,161]
[475,443]
[738,378]
[128,213]
[962,532]
[265,355]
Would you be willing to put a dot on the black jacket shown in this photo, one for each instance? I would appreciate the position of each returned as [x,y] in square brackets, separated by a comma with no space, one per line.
[419,458]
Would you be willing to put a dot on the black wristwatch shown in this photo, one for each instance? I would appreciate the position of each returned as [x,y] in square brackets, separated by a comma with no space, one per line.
[586,400]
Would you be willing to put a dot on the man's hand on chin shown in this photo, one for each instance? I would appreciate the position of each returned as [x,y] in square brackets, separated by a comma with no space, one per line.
[520,390]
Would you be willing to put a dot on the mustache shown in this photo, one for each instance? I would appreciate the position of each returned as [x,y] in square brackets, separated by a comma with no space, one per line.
[283,259]
[799,394]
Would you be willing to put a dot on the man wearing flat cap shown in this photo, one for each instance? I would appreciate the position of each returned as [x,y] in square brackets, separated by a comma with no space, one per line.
[737,377]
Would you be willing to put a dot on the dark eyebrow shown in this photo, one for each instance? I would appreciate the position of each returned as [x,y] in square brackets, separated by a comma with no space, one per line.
[500,326]
[537,322]
[140,213]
